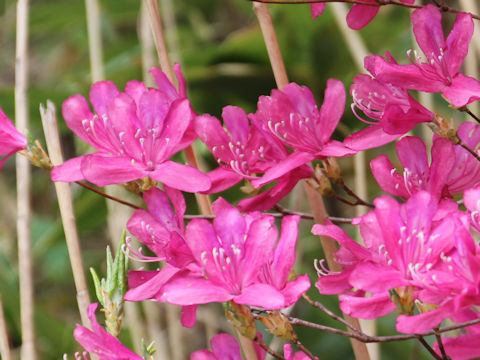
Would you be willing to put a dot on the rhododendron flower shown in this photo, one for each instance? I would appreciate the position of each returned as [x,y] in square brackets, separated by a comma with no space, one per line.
[101,343]
[401,242]
[135,134]
[453,169]
[290,355]
[471,199]
[359,15]
[235,255]
[393,112]
[243,152]
[444,59]
[11,140]
[224,347]
[292,116]
[453,285]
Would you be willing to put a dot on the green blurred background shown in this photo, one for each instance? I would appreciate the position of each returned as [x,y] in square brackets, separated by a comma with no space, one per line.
[223,57]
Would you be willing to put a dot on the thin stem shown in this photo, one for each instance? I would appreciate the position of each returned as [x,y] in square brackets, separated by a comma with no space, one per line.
[23,188]
[354,195]
[357,202]
[466,147]
[442,6]
[269,350]
[320,306]
[305,350]
[64,194]
[307,216]
[469,112]
[368,339]
[440,344]
[111,197]
[429,348]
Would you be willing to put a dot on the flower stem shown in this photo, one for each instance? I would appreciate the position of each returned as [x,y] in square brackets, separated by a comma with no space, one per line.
[429,348]
[440,344]
[111,197]
[268,349]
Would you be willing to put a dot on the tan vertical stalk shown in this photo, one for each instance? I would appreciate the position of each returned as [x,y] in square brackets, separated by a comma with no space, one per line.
[146,42]
[4,344]
[94,39]
[64,194]
[358,51]
[316,202]
[23,187]
[156,24]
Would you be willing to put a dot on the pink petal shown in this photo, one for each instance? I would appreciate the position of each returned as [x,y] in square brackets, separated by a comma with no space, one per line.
[293,161]
[387,177]
[135,89]
[203,355]
[225,346]
[222,179]
[427,27]
[294,289]
[101,94]
[335,148]
[190,290]
[317,9]
[105,170]
[236,121]
[413,154]
[284,253]
[75,111]
[420,323]
[189,316]
[147,284]
[463,90]
[164,84]
[367,307]
[69,171]
[369,138]
[262,295]
[458,41]
[334,284]
[360,16]
[386,278]
[181,177]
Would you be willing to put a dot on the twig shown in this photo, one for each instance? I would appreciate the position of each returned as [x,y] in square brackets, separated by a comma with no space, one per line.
[269,350]
[64,194]
[334,219]
[23,188]
[440,345]
[320,306]
[305,350]
[111,197]
[469,112]
[443,7]
[369,339]
[466,147]
[4,345]
[429,348]
[359,201]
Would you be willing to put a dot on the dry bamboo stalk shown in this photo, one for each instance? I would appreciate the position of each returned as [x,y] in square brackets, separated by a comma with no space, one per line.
[358,51]
[23,188]
[64,194]
[171,33]
[146,42]
[166,66]
[315,199]
[94,39]
[4,344]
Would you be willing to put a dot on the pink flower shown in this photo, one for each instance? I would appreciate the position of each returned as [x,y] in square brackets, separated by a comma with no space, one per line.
[161,228]
[452,171]
[243,152]
[393,111]
[292,116]
[401,243]
[135,134]
[290,355]
[471,199]
[464,346]
[224,347]
[444,59]
[453,285]
[101,343]
[359,15]
[231,254]
[11,140]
